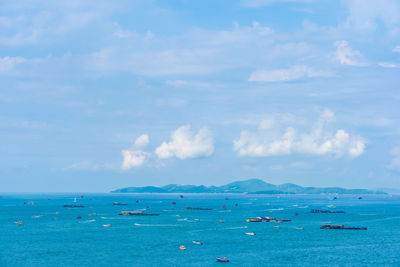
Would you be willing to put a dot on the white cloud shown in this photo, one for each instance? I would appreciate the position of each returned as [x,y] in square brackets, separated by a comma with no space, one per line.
[142,140]
[7,64]
[347,56]
[133,158]
[319,141]
[282,75]
[396,48]
[366,14]
[186,144]
[389,65]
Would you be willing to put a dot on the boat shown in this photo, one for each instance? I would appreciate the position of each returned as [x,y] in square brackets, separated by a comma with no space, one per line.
[250,233]
[267,219]
[327,211]
[119,204]
[74,206]
[222,259]
[299,228]
[137,213]
[197,242]
[20,223]
[182,248]
[196,208]
[221,221]
[341,227]
[107,225]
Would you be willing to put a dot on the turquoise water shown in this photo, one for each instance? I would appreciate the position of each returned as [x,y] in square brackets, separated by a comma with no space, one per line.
[53,236]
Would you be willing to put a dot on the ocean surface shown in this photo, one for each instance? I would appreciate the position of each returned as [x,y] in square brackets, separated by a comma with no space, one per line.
[54,236]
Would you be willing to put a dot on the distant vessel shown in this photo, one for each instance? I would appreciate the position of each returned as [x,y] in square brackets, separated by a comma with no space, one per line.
[197,242]
[138,213]
[107,225]
[20,223]
[74,206]
[196,208]
[267,219]
[222,259]
[299,228]
[326,211]
[119,204]
[341,227]
[251,233]
[182,248]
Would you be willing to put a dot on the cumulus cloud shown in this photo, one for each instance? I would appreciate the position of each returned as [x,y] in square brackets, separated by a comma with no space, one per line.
[282,75]
[142,140]
[346,55]
[187,144]
[271,141]
[135,157]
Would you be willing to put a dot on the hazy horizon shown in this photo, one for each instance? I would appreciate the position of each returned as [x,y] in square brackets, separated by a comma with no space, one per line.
[99,95]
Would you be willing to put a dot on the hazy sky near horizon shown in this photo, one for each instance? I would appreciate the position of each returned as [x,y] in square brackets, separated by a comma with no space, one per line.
[97,95]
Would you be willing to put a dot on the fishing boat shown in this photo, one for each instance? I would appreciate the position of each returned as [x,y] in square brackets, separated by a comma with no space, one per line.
[197,242]
[341,227]
[119,204]
[222,259]
[327,211]
[137,213]
[182,248]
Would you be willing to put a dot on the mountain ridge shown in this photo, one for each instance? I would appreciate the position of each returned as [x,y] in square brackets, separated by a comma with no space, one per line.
[253,186]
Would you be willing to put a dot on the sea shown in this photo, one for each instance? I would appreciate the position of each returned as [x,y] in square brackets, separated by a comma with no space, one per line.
[52,235]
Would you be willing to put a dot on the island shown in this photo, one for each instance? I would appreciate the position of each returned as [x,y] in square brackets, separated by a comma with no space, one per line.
[251,186]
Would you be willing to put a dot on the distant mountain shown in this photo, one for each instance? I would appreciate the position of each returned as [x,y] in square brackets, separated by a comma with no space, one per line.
[389,190]
[252,186]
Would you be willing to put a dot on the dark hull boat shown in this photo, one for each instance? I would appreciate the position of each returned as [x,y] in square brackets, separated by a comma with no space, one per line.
[137,213]
[341,227]
[119,204]
[267,219]
[327,211]
[196,208]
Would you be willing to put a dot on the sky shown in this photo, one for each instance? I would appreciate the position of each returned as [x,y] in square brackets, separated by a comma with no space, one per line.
[99,95]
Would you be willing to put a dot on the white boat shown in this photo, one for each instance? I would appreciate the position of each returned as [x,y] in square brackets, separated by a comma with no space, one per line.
[250,233]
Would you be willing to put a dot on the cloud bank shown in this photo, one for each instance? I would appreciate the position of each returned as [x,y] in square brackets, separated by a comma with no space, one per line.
[269,141]
[187,144]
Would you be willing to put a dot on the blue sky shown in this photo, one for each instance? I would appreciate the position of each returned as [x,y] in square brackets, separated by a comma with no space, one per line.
[97,95]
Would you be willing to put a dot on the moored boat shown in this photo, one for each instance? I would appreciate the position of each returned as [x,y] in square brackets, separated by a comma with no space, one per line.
[119,204]
[341,227]
[222,259]
[197,242]
[196,208]
[327,211]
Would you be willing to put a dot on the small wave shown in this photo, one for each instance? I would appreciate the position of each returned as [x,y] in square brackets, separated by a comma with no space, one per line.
[88,221]
[156,225]
[233,228]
